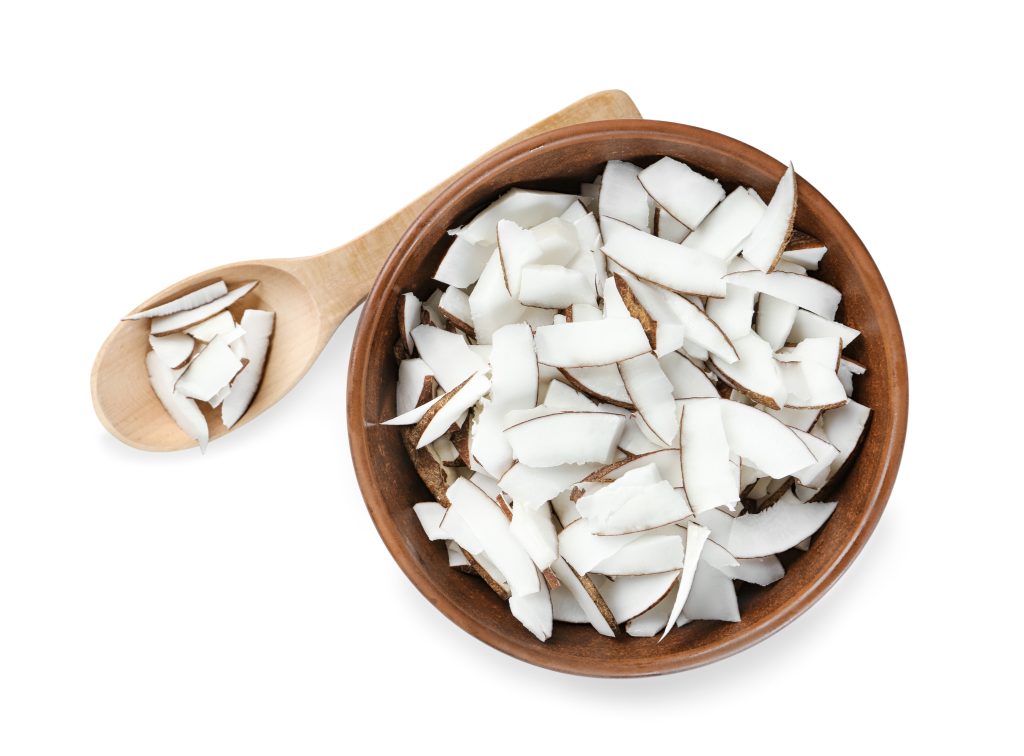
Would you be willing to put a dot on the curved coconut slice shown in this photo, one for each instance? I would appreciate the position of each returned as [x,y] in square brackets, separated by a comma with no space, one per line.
[800,419]
[615,306]
[809,372]
[712,596]
[483,517]
[844,427]
[757,570]
[824,455]
[566,438]
[599,342]
[411,377]
[459,531]
[587,596]
[189,301]
[535,531]
[514,417]
[695,351]
[585,264]
[557,240]
[574,212]
[430,515]
[173,349]
[565,608]
[490,303]
[716,556]
[688,381]
[696,537]
[488,446]
[716,521]
[708,477]
[623,196]
[553,286]
[561,396]
[756,373]
[778,528]
[184,411]
[768,240]
[210,328]
[700,329]
[685,194]
[734,313]
[635,440]
[259,327]
[517,248]
[649,554]
[632,595]
[521,206]
[847,369]
[651,392]
[824,350]
[179,321]
[210,370]
[514,375]
[534,611]
[463,263]
[803,291]
[804,250]
[812,387]
[763,441]
[447,354]
[665,460]
[674,266]
[667,227]
[808,325]
[602,382]
[448,407]
[410,310]
[653,621]
[722,233]
[588,236]
[775,318]
[454,307]
[584,550]
[651,436]
[637,501]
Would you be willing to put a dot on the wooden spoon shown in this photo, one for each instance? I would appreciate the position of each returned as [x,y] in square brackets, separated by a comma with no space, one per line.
[311,296]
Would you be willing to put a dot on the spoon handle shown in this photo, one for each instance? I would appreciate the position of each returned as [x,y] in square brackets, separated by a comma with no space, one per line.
[341,278]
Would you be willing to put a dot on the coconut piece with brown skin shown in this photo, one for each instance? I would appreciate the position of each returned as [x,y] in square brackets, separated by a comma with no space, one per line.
[189,301]
[179,321]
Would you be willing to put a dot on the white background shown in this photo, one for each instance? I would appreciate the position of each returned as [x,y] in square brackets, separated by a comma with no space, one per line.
[242,602]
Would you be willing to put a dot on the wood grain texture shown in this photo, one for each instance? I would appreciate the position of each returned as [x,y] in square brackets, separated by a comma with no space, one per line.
[310,295]
[560,161]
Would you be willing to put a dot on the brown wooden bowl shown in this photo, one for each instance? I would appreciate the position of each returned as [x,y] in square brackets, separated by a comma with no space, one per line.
[560,160]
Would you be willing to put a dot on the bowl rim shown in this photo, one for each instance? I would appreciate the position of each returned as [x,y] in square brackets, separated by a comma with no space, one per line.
[877,494]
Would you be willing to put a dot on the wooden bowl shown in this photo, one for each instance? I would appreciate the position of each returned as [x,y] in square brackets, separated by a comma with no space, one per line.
[560,160]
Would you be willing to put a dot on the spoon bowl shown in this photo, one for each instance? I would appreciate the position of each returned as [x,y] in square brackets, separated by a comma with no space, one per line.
[124,401]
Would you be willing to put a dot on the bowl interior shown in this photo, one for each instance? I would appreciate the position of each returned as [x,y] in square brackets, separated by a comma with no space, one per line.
[560,161]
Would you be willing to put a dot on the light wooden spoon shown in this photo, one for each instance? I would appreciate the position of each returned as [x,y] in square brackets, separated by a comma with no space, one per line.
[311,296]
